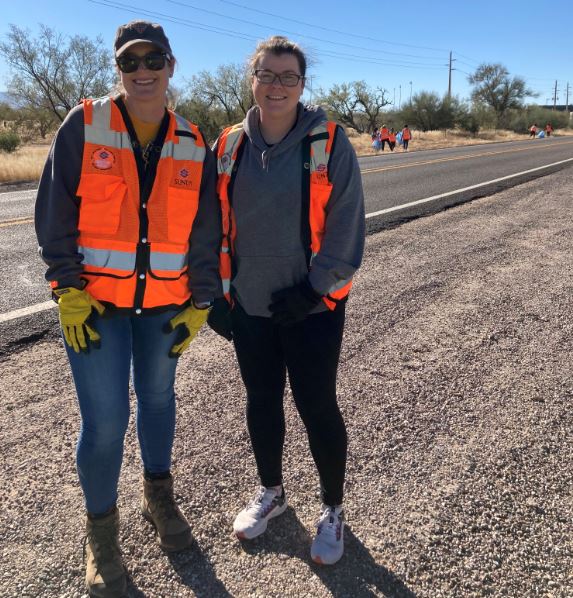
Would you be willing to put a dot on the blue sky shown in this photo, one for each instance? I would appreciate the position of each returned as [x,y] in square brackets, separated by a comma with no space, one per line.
[400,46]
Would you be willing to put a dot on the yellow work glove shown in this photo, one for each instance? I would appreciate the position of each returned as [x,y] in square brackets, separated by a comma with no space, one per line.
[76,308]
[189,321]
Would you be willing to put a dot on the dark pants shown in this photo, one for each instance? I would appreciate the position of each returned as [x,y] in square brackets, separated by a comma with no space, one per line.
[384,141]
[309,352]
[405,143]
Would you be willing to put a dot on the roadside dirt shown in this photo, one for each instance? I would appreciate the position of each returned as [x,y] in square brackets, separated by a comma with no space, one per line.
[456,383]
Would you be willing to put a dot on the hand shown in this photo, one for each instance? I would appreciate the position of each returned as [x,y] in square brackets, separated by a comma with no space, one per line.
[76,310]
[293,304]
[189,321]
[220,318]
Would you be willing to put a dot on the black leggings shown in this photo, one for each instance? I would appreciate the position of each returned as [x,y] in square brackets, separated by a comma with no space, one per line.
[309,351]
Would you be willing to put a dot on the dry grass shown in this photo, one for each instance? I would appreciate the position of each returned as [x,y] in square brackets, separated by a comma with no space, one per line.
[437,139]
[25,164]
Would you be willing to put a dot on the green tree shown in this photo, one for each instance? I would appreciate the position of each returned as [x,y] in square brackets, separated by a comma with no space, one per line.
[494,87]
[53,72]
[424,111]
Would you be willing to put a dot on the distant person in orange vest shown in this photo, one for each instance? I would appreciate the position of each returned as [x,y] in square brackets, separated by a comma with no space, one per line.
[129,224]
[392,139]
[548,129]
[384,136]
[406,136]
[533,131]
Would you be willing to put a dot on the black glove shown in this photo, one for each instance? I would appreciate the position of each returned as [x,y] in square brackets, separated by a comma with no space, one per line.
[292,305]
[220,318]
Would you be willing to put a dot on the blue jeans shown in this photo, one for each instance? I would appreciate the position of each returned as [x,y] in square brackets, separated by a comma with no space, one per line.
[102,384]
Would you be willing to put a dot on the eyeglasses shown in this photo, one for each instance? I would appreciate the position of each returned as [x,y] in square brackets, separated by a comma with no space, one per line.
[154,61]
[268,78]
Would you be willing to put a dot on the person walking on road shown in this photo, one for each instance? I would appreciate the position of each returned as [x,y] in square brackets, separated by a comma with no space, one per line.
[406,136]
[548,129]
[293,224]
[129,224]
[533,131]
[384,136]
[392,139]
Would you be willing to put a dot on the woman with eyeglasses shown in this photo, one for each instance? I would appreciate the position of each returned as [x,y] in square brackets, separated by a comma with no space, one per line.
[129,225]
[293,236]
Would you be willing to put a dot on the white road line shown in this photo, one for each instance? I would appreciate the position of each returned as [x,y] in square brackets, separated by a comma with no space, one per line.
[26,311]
[435,197]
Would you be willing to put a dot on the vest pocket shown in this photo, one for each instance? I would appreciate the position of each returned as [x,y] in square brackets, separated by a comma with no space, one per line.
[182,205]
[319,196]
[101,196]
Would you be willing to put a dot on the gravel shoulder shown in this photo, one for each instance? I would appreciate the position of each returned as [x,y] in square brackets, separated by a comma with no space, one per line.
[456,384]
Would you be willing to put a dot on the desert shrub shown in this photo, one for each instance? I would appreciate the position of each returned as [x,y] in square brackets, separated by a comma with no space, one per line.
[9,141]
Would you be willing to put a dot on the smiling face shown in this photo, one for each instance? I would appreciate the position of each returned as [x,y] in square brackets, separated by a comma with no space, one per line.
[145,87]
[274,99]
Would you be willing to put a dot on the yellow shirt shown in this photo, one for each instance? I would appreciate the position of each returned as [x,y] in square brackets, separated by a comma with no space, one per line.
[145,131]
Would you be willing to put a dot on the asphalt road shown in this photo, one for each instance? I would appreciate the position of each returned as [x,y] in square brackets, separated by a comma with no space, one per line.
[449,176]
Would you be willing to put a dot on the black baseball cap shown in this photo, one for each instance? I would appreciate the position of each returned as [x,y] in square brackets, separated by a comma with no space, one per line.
[140,31]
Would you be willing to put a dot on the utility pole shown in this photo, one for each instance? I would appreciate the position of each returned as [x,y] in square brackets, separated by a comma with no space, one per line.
[310,77]
[400,100]
[567,100]
[555,96]
[410,93]
[450,77]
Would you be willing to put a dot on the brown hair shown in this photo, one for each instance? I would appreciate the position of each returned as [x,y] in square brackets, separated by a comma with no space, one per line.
[277,45]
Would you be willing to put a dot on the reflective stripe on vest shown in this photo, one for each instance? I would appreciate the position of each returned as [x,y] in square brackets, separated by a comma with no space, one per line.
[115,259]
[320,189]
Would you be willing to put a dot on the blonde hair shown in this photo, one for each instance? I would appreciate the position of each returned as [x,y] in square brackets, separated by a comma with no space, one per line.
[278,45]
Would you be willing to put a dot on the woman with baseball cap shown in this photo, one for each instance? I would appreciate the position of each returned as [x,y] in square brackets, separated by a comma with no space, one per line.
[129,224]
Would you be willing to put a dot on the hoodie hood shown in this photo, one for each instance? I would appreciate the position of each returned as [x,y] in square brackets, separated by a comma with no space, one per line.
[307,117]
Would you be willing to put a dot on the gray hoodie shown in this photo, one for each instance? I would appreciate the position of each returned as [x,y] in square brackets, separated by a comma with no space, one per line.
[266,198]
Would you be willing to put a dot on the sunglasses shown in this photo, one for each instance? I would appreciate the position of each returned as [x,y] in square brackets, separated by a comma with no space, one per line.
[269,77]
[153,61]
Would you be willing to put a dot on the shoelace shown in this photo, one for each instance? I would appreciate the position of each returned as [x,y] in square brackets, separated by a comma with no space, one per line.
[330,523]
[258,504]
[103,545]
[164,503]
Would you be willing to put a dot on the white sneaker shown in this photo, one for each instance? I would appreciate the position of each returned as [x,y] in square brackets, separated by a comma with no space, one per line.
[252,520]
[328,545]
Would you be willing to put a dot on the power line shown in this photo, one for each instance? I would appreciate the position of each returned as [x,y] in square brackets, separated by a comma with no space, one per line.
[232,33]
[316,26]
[470,59]
[337,43]
[170,19]
[380,61]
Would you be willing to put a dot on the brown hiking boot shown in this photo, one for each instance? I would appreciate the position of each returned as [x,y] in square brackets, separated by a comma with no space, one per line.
[105,573]
[158,507]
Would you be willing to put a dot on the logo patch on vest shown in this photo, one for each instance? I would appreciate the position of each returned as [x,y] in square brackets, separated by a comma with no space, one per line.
[103,159]
[321,168]
[184,173]
[225,161]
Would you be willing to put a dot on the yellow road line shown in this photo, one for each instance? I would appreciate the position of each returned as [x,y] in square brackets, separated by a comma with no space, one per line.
[464,157]
[15,222]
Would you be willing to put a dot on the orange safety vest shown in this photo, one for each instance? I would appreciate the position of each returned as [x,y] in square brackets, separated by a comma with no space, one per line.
[406,135]
[135,249]
[392,137]
[384,133]
[320,140]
